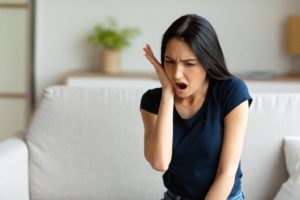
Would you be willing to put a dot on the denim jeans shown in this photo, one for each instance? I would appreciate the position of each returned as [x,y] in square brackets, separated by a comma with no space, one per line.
[170,196]
[238,196]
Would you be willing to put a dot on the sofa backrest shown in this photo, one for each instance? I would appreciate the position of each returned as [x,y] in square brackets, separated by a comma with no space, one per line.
[272,117]
[87,143]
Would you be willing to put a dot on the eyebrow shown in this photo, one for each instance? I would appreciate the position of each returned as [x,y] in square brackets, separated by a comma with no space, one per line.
[184,60]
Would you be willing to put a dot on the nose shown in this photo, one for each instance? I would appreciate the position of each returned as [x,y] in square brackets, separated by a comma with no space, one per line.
[178,73]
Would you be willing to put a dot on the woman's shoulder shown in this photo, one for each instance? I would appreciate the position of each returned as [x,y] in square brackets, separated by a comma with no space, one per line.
[150,100]
[232,83]
[230,93]
[153,93]
[232,80]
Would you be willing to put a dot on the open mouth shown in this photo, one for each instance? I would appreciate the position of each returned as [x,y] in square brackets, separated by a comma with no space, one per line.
[181,86]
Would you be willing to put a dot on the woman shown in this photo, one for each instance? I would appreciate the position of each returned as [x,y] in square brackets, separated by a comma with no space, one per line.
[195,123]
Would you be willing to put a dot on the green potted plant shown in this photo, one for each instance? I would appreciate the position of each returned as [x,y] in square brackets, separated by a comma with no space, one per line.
[112,40]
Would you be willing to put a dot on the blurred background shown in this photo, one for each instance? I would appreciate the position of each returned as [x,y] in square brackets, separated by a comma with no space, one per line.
[43,40]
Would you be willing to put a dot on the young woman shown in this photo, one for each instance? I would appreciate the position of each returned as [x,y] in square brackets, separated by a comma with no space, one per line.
[195,123]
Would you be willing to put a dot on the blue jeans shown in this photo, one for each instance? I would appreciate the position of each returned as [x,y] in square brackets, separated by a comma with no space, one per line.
[170,196]
[238,196]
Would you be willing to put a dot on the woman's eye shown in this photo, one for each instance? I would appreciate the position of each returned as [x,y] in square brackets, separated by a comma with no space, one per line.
[169,62]
[190,64]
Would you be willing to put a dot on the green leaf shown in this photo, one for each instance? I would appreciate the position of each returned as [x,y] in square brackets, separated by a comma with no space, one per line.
[111,36]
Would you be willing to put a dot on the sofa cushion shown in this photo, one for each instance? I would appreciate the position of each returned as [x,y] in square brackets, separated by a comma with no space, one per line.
[272,117]
[87,143]
[290,190]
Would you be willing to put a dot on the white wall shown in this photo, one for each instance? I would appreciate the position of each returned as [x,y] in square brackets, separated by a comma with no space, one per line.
[251,32]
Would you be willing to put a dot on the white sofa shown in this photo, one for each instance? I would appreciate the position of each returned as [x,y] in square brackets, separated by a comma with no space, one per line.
[86,143]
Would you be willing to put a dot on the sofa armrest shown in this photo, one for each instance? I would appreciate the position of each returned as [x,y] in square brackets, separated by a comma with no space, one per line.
[14,169]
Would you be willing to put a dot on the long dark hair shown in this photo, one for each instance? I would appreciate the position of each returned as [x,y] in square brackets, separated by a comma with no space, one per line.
[201,37]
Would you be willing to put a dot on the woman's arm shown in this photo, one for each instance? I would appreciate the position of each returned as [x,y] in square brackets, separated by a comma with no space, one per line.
[235,124]
[158,139]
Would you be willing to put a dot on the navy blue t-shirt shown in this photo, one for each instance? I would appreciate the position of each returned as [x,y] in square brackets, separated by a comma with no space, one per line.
[197,141]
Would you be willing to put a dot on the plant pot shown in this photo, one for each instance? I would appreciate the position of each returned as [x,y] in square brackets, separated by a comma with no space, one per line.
[110,61]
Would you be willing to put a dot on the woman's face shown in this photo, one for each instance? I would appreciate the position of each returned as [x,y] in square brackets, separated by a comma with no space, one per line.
[183,69]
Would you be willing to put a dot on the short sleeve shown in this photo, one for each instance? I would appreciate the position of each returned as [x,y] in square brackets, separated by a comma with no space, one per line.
[150,100]
[235,92]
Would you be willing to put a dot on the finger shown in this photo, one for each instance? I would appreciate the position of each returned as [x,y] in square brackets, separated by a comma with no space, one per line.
[152,60]
[148,47]
[158,68]
[149,52]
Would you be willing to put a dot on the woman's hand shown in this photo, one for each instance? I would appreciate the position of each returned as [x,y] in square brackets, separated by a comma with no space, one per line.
[165,82]
[158,139]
